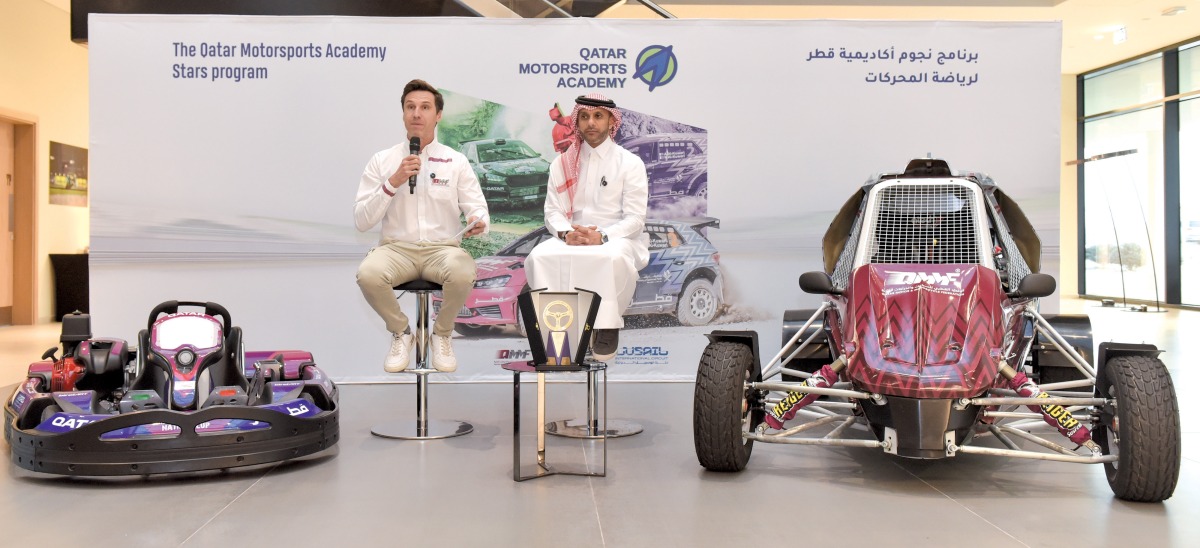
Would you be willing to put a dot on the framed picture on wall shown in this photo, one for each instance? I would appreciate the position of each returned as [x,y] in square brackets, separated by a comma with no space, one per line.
[68,175]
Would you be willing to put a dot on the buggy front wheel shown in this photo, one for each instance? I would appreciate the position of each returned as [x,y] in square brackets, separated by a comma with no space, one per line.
[725,407]
[1141,428]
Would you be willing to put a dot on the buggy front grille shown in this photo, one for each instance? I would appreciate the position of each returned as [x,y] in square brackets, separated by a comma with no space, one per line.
[924,224]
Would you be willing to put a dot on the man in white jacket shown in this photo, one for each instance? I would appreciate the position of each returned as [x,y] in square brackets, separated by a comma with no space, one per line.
[420,223]
[596,206]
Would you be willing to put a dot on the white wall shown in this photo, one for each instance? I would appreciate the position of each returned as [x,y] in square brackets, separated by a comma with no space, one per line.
[1068,215]
[46,75]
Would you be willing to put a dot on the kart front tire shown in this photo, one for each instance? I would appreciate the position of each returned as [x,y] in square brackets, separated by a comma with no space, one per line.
[699,303]
[724,407]
[1143,430]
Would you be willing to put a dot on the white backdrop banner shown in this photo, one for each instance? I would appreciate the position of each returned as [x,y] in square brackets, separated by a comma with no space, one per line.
[226,153]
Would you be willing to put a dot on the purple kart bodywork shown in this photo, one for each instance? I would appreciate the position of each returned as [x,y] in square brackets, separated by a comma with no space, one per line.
[191,400]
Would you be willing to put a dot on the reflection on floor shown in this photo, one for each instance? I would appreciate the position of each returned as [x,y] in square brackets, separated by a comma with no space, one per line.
[459,492]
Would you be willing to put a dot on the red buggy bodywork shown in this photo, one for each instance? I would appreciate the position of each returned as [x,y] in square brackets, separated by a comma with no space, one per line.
[929,341]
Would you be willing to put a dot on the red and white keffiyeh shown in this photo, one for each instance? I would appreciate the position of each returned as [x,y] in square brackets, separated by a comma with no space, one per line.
[570,161]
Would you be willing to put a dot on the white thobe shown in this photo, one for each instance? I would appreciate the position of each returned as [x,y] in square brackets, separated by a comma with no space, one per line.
[612,195]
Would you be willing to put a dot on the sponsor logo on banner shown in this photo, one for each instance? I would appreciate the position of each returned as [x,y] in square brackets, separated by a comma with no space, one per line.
[517,355]
[656,66]
[608,67]
[643,355]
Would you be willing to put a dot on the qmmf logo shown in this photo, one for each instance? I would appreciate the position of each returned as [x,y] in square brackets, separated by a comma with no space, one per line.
[656,66]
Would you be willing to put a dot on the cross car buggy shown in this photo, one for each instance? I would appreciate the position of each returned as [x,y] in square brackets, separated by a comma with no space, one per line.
[929,339]
[188,398]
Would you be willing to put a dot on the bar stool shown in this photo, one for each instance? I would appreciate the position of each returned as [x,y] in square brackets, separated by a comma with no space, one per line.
[423,428]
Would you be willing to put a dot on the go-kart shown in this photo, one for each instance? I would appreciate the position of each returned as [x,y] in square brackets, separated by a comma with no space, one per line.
[930,342]
[188,398]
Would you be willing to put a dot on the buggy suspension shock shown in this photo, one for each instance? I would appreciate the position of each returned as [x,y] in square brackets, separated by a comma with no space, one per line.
[1055,415]
[786,409]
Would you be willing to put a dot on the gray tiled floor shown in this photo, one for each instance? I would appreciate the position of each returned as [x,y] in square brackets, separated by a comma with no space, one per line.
[372,491]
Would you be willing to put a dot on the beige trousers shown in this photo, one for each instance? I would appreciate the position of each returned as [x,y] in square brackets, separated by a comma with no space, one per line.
[391,264]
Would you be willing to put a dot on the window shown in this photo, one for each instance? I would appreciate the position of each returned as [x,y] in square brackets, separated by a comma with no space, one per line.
[1189,71]
[1189,197]
[1130,202]
[663,237]
[1124,86]
[1123,198]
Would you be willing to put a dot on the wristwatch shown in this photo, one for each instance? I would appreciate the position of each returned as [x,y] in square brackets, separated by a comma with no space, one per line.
[603,237]
[562,234]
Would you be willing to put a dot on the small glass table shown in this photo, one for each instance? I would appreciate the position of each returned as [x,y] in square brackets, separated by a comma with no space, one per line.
[541,468]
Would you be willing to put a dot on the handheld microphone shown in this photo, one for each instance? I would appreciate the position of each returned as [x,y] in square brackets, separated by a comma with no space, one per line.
[414,148]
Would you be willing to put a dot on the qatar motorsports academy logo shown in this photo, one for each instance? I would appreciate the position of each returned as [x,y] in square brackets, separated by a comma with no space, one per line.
[656,66]
[601,67]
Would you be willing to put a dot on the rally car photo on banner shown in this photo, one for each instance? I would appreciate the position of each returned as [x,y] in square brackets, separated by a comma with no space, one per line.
[683,279]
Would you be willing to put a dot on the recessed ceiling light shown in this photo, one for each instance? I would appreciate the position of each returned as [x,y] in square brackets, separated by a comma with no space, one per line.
[1119,36]
[1174,10]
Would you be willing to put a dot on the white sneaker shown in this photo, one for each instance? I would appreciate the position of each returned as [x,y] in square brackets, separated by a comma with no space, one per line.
[399,354]
[443,354]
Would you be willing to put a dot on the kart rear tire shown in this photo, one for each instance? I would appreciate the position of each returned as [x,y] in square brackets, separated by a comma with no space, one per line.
[698,303]
[724,407]
[1143,431]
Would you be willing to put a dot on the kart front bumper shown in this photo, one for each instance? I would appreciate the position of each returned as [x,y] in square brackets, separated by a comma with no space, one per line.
[82,452]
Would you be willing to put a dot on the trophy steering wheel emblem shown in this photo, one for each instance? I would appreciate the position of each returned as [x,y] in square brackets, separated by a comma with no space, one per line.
[558,315]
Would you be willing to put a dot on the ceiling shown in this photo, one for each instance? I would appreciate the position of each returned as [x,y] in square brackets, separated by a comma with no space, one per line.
[1088,25]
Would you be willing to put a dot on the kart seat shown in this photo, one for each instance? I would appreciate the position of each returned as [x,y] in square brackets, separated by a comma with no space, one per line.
[222,367]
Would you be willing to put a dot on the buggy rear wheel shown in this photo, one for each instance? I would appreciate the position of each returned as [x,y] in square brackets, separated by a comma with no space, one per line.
[1142,430]
[724,406]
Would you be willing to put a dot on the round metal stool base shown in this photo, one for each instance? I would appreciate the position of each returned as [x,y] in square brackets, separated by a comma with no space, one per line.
[434,430]
[578,428]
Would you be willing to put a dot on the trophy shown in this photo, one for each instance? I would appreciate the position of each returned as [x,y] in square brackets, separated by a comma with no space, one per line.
[559,326]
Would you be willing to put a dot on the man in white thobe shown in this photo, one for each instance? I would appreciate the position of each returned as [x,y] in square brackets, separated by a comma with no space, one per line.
[596,207]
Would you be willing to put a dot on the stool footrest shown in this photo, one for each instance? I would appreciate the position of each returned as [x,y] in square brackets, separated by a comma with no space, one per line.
[411,430]
[578,428]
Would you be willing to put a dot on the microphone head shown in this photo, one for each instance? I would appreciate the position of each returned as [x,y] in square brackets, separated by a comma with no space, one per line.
[414,145]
